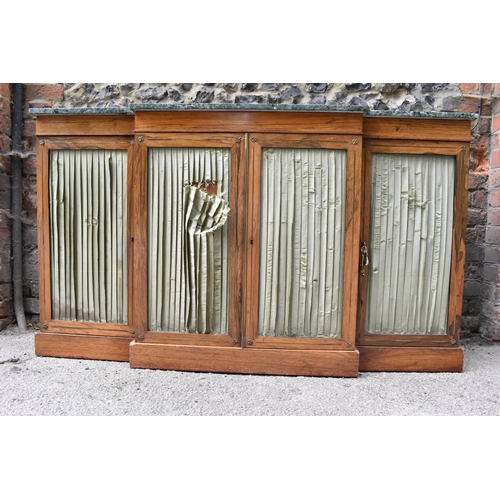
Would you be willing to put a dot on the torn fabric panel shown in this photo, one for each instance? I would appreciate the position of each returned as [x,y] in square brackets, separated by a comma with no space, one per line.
[204,215]
[178,300]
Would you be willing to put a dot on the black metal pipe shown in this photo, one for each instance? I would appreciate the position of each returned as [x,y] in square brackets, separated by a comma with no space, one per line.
[16,204]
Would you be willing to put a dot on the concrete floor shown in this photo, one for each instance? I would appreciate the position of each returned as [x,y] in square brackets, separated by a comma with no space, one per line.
[31,385]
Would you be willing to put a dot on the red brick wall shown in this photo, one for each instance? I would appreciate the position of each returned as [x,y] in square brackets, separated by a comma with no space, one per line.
[476,98]
[5,225]
[35,96]
[490,326]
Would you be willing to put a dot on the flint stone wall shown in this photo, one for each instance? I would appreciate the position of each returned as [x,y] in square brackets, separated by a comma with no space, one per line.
[380,96]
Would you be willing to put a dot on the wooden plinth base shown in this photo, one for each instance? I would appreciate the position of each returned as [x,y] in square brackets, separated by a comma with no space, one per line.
[317,363]
[410,359]
[62,345]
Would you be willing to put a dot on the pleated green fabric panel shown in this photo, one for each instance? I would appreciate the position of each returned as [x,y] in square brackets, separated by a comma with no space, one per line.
[188,240]
[410,243]
[88,235]
[302,242]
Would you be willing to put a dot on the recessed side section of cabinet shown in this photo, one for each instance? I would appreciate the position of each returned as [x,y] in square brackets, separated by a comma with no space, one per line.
[413,245]
[84,237]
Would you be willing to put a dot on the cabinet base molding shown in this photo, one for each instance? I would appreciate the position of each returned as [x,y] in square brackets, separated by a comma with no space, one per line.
[63,345]
[255,361]
[410,359]
[316,363]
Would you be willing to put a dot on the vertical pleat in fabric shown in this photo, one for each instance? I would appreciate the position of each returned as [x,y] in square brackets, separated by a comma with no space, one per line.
[302,242]
[410,243]
[88,235]
[188,240]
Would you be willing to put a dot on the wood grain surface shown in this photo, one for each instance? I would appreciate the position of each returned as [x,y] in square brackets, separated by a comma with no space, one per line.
[240,360]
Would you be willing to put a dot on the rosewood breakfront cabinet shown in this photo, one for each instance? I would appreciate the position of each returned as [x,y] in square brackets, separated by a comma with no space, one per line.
[258,241]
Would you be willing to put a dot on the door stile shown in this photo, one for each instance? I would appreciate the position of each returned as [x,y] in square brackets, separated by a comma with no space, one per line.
[139,239]
[130,230]
[354,189]
[42,153]
[365,240]
[252,243]
[236,238]
[458,244]
[245,256]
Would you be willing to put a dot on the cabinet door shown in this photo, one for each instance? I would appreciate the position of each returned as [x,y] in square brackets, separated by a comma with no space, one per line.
[412,220]
[302,220]
[191,272]
[84,251]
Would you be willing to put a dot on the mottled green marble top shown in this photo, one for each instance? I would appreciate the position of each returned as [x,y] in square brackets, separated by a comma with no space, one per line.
[248,107]
[253,107]
[423,114]
[80,111]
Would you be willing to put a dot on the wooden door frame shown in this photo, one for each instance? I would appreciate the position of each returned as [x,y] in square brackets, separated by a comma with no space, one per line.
[460,151]
[235,143]
[353,145]
[43,150]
